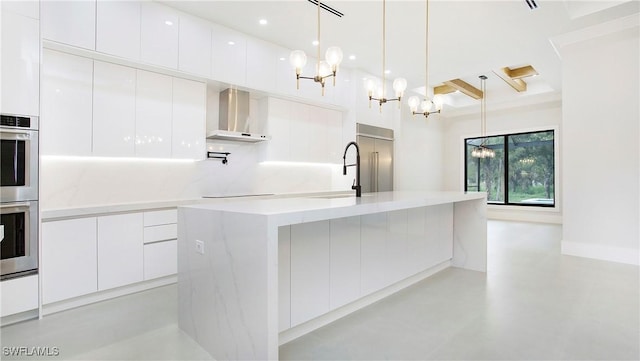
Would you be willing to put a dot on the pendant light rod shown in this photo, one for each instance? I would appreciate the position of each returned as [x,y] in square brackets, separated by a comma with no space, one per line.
[384,45]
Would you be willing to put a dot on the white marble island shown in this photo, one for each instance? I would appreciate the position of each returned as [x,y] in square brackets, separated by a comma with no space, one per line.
[253,274]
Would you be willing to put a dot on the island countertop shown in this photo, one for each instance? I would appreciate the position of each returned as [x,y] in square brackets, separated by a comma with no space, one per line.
[315,208]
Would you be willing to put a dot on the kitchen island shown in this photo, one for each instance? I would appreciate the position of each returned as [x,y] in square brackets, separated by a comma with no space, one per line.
[254,274]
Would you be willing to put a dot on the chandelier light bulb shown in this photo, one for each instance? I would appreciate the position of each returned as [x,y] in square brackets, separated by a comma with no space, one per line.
[323,69]
[298,60]
[426,105]
[399,85]
[413,102]
[333,56]
[371,86]
[438,101]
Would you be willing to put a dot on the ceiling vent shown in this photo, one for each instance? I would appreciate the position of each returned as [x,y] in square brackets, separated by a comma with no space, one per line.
[332,10]
[531,4]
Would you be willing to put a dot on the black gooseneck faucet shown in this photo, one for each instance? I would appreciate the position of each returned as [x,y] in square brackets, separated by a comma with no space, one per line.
[356,182]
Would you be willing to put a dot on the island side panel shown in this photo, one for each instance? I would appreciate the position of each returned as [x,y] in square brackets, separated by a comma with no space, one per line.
[470,235]
[223,294]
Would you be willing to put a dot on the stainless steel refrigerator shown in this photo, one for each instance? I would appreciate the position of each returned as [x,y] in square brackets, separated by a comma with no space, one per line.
[376,158]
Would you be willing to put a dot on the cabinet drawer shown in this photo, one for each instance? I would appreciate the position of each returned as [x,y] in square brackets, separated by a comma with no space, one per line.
[18,295]
[160,233]
[160,259]
[156,218]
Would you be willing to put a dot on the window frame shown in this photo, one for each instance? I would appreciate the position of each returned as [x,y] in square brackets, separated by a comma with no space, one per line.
[505,175]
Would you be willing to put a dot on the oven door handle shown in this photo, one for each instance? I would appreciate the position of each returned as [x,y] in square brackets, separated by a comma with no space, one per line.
[15,134]
[17,206]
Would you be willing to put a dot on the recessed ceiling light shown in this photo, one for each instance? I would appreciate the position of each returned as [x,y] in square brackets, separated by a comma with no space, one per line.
[352,57]
[231,43]
[263,21]
[282,59]
[315,43]
[387,71]
[169,22]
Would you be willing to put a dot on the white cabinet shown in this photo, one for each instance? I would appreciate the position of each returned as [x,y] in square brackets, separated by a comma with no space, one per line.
[396,247]
[229,55]
[120,252]
[118,28]
[417,240]
[345,261]
[188,128]
[28,8]
[18,295]
[20,64]
[278,128]
[284,278]
[66,104]
[114,110]
[309,271]
[153,115]
[159,26]
[262,58]
[373,254]
[70,22]
[69,259]
[155,218]
[160,259]
[194,55]
[439,224]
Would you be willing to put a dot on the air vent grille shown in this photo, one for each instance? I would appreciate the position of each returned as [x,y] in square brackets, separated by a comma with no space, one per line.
[329,8]
[531,4]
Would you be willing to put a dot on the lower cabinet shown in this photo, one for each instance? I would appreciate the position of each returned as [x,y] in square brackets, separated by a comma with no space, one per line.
[18,295]
[91,254]
[120,252]
[69,265]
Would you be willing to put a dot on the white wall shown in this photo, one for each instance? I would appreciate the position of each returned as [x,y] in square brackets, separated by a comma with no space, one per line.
[542,116]
[600,146]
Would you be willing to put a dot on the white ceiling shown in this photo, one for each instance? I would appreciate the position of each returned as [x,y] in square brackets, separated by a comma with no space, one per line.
[467,38]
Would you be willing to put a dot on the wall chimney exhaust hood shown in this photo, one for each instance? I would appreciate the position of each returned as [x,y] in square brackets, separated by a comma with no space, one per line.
[234,118]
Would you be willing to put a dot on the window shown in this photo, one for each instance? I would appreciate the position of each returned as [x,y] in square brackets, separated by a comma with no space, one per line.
[521,173]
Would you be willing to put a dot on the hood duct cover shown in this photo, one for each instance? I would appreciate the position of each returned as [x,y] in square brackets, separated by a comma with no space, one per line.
[234,122]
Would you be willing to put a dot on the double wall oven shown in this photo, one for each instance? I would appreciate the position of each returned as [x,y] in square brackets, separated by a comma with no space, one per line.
[18,195]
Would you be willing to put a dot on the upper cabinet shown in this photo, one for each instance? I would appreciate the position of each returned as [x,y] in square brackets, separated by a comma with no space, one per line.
[153,115]
[28,8]
[118,28]
[159,27]
[262,60]
[188,125]
[66,104]
[229,58]
[20,63]
[70,22]
[194,55]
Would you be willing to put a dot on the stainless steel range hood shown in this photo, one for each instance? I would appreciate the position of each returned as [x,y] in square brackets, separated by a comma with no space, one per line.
[233,123]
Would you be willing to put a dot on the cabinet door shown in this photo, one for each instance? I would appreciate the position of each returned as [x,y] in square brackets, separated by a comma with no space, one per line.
[188,134]
[159,35]
[229,56]
[28,8]
[373,256]
[69,259]
[396,247]
[278,118]
[345,261]
[439,223]
[114,109]
[118,28]
[160,259]
[120,252]
[261,64]
[284,278]
[70,22]
[309,271]
[18,295]
[153,115]
[66,104]
[417,240]
[20,64]
[194,55]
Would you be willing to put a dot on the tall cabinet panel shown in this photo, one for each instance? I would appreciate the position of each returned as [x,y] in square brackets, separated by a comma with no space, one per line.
[66,104]
[120,252]
[194,54]
[118,28]
[70,22]
[159,35]
[20,64]
[345,261]
[153,115]
[114,110]
[229,56]
[188,124]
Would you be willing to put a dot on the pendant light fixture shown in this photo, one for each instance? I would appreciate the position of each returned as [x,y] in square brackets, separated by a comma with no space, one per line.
[324,68]
[427,105]
[482,151]
[399,84]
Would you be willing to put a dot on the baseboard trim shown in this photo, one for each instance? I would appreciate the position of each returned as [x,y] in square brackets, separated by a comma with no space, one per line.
[18,317]
[311,325]
[604,253]
[105,295]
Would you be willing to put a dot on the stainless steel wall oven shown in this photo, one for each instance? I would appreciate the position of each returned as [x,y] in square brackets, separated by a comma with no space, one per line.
[18,195]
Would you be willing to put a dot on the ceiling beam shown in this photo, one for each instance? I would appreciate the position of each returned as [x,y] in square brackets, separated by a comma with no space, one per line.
[523,72]
[443,89]
[518,84]
[465,88]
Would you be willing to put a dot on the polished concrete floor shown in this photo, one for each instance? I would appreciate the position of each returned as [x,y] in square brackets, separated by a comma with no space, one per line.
[532,303]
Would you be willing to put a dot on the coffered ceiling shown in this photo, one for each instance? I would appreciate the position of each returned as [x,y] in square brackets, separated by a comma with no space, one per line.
[467,38]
